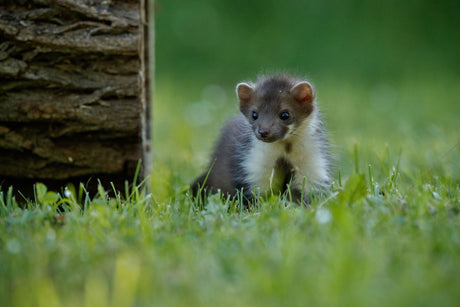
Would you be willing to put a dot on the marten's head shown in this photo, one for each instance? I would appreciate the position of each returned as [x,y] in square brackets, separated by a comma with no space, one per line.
[276,106]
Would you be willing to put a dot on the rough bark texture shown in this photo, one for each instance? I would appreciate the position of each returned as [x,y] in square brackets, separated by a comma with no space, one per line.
[69,89]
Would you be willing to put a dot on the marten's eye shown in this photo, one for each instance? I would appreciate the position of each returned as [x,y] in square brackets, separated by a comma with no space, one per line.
[284,116]
[255,115]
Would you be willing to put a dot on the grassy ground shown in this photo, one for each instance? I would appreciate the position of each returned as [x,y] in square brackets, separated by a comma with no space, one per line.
[357,247]
[387,235]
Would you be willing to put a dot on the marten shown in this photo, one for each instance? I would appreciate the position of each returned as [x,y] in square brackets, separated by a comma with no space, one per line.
[277,144]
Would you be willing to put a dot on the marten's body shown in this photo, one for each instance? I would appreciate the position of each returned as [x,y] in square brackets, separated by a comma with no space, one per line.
[277,141]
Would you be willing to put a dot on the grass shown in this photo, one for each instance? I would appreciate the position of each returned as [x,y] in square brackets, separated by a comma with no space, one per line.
[370,242]
[387,234]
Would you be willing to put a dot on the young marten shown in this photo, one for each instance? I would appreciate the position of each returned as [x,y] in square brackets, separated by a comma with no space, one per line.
[277,142]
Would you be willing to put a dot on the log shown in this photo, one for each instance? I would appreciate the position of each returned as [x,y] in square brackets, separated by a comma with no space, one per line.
[74,90]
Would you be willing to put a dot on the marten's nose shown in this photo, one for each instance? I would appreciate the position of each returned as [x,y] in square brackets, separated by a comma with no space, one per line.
[263,133]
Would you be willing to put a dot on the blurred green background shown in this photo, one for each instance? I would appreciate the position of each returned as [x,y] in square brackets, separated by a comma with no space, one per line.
[386,72]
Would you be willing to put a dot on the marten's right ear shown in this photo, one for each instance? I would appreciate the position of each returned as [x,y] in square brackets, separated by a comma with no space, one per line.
[244,92]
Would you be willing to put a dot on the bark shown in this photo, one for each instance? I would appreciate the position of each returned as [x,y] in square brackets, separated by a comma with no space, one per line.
[146,48]
[71,104]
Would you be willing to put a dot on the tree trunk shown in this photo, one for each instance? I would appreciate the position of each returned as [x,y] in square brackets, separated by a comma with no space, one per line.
[74,90]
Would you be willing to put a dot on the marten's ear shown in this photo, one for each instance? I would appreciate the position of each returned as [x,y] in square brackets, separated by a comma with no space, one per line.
[244,92]
[303,92]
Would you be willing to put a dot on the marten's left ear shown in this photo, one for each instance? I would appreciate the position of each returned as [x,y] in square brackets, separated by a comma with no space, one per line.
[303,92]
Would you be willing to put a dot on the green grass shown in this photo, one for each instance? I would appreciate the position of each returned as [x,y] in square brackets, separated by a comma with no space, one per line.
[388,234]
[371,242]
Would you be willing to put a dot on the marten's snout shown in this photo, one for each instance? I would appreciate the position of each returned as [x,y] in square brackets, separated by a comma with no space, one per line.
[263,133]
[266,135]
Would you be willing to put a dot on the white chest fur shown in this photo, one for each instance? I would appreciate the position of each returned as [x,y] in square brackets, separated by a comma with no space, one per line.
[302,149]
